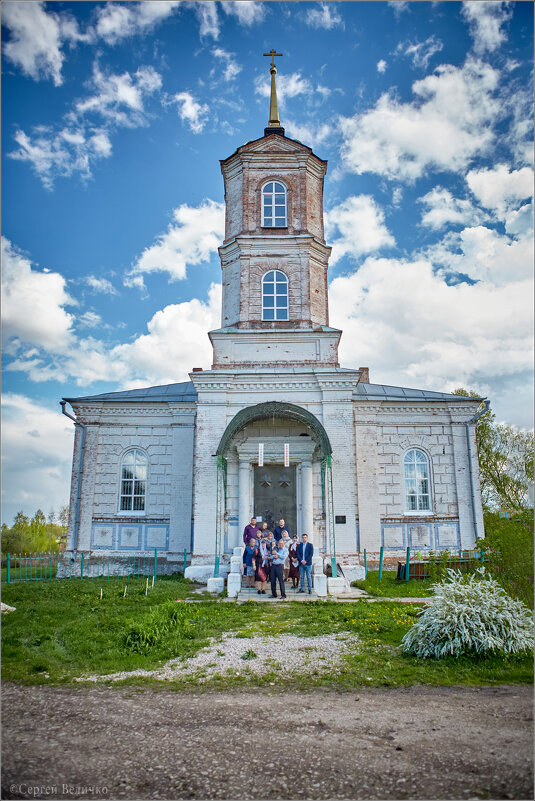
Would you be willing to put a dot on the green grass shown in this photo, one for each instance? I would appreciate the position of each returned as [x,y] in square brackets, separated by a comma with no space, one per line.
[391,587]
[64,630]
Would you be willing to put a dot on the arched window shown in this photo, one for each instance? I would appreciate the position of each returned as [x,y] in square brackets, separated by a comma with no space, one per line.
[417,481]
[274,296]
[133,482]
[274,205]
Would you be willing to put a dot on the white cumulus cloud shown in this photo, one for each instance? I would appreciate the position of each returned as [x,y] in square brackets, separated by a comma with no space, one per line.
[120,97]
[248,12]
[448,123]
[176,342]
[33,303]
[37,442]
[486,19]
[100,285]
[310,135]
[192,238]
[75,145]
[442,208]
[193,113]
[231,66]
[420,52]
[290,85]
[360,224]
[417,330]
[485,255]
[36,38]
[117,21]
[500,188]
[325,17]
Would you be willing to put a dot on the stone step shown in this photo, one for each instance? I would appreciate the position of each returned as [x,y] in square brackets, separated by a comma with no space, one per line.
[251,594]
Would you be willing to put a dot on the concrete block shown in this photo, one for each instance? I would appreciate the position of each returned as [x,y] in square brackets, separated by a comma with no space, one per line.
[215,585]
[201,573]
[233,584]
[353,572]
[336,586]
[320,584]
[317,564]
[236,564]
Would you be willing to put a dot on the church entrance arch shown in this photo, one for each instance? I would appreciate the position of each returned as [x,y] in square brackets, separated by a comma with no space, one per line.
[273,491]
[263,411]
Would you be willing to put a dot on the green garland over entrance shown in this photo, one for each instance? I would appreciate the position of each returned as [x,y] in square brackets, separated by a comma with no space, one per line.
[263,411]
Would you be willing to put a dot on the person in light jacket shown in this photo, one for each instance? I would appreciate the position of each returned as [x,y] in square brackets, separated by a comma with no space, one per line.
[278,557]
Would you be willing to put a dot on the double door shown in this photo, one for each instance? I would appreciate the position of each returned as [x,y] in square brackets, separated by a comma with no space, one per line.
[275,495]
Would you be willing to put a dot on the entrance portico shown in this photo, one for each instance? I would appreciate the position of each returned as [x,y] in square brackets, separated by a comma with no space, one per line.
[295,492]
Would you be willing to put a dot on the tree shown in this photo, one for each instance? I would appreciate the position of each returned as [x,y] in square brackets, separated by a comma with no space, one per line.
[64,516]
[506,458]
[39,536]
[14,539]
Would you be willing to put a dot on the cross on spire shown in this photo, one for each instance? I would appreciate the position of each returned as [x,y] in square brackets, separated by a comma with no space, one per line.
[272,53]
[274,125]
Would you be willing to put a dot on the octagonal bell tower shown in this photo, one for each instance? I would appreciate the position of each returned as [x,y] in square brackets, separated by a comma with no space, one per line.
[274,258]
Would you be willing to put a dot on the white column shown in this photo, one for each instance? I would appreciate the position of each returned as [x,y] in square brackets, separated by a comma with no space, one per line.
[307,498]
[244,496]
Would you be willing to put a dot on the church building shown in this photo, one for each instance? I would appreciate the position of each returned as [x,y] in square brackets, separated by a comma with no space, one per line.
[276,427]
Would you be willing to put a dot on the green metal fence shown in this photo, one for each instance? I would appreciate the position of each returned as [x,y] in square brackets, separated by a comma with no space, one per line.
[418,565]
[45,566]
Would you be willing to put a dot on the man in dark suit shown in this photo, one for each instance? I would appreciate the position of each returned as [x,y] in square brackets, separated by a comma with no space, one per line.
[304,553]
[277,534]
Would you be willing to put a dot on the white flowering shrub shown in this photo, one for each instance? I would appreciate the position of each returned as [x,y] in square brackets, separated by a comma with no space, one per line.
[470,614]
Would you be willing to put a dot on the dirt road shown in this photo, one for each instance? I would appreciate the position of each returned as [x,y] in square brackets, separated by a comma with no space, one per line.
[415,742]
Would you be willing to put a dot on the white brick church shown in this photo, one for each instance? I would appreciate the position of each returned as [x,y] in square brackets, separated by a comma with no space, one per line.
[276,427]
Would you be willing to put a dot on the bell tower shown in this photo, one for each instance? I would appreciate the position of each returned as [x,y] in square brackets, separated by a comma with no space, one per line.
[274,258]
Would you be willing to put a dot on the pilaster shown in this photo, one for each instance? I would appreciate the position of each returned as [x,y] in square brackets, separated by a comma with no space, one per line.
[367,483]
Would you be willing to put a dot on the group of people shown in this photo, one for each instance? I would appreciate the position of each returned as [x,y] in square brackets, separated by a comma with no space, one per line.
[276,557]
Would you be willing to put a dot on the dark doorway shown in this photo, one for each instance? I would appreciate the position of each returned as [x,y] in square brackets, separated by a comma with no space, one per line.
[275,495]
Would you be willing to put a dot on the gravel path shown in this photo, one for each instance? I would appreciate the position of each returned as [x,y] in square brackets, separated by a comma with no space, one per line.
[404,743]
[288,653]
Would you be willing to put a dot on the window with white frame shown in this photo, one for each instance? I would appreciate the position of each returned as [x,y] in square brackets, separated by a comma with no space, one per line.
[274,296]
[133,482]
[417,481]
[274,205]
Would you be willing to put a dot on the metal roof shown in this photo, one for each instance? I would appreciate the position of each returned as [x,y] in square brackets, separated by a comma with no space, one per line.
[384,392]
[178,393]
[185,392]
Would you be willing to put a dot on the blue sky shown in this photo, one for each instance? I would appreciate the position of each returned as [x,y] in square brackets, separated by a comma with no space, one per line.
[114,116]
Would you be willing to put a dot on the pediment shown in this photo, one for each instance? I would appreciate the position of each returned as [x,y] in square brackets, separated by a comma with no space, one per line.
[275,144]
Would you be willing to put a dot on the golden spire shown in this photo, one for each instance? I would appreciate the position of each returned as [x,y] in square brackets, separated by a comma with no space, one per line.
[274,121]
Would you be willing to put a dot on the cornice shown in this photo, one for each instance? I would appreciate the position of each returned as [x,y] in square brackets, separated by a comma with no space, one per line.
[363,407]
[100,415]
[268,245]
